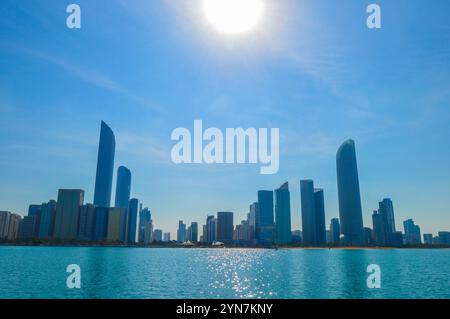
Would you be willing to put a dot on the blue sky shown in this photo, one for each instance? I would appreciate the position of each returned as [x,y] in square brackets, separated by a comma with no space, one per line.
[311,68]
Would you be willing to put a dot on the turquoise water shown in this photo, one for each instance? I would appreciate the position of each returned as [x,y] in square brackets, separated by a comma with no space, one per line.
[40,272]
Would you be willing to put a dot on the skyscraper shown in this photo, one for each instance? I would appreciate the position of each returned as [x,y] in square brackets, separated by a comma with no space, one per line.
[266,232]
[145,216]
[350,211]
[123,187]
[67,209]
[254,221]
[308,212]
[428,239]
[224,227]
[283,214]
[114,224]
[210,229]
[35,211]
[86,222]
[47,225]
[181,232]
[157,235]
[194,232]
[335,232]
[4,224]
[105,166]
[101,223]
[319,210]
[386,211]
[133,221]
[412,232]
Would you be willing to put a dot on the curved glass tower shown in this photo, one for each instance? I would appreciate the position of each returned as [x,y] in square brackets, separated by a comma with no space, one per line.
[283,214]
[350,212]
[105,166]
[123,187]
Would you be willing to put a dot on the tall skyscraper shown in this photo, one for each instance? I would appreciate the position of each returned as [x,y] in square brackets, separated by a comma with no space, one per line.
[412,233]
[133,221]
[35,211]
[47,224]
[67,209]
[181,233]
[428,239]
[115,230]
[283,214]
[319,210]
[254,221]
[210,229]
[225,227]
[15,221]
[145,216]
[4,224]
[105,166]
[386,211]
[166,237]
[194,232]
[157,235]
[350,211]
[335,232]
[123,187]
[266,232]
[101,223]
[86,222]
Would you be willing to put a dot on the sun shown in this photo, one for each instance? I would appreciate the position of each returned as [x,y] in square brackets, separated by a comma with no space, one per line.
[233,16]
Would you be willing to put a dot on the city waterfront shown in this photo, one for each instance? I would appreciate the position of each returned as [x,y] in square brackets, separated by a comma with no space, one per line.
[110,272]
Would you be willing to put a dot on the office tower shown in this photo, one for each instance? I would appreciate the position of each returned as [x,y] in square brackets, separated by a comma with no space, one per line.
[251,218]
[123,187]
[47,224]
[101,223]
[319,210]
[115,224]
[86,222]
[296,236]
[444,237]
[313,213]
[386,211]
[255,220]
[204,234]
[210,229]
[328,236]
[224,228]
[350,211]
[241,232]
[166,237]
[377,229]
[15,222]
[283,214]
[4,224]
[194,232]
[266,217]
[133,221]
[148,232]
[181,233]
[27,227]
[368,236]
[188,233]
[35,211]
[335,232]
[412,232]
[67,210]
[105,166]
[428,239]
[396,239]
[144,217]
[157,235]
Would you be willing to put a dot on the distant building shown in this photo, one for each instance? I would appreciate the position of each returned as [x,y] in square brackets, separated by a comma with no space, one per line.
[105,166]
[241,232]
[211,223]
[123,187]
[266,231]
[166,237]
[194,232]
[350,211]
[335,230]
[254,219]
[133,221]
[27,227]
[157,235]
[428,239]
[47,224]
[444,237]
[181,233]
[4,224]
[368,236]
[144,217]
[296,236]
[148,232]
[15,221]
[86,222]
[224,227]
[67,211]
[313,214]
[283,215]
[35,211]
[412,232]
[115,224]
[101,223]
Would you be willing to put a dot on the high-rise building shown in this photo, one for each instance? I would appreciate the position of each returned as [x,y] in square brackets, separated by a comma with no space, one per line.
[444,237]
[86,222]
[105,166]
[428,239]
[166,237]
[350,211]
[313,214]
[378,229]
[47,224]
[181,233]
[335,232]
[35,211]
[115,224]
[157,235]
[386,211]
[283,214]
[412,232]
[101,223]
[67,210]
[211,229]
[224,229]
[368,236]
[123,187]
[266,231]
[194,232]
[133,221]
[254,221]
[15,221]
[148,232]
[4,224]
[27,227]
[145,216]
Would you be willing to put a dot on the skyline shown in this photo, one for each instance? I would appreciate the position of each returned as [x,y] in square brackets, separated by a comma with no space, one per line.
[138,85]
